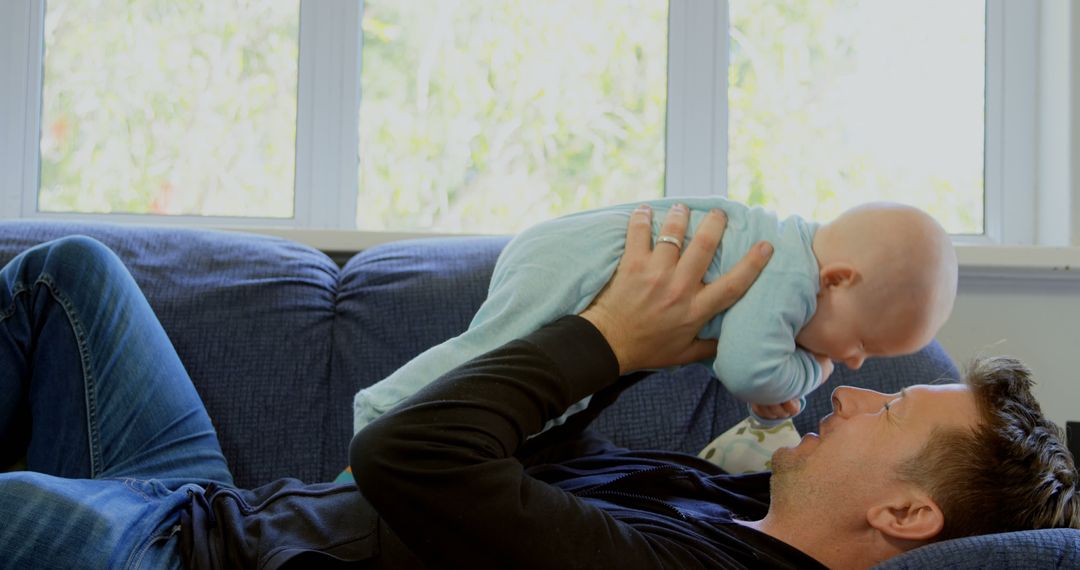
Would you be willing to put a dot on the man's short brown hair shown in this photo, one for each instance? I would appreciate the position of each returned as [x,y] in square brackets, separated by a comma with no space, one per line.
[1013,472]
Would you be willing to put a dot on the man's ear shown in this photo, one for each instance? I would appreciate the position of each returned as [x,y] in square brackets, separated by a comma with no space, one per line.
[839,274]
[911,516]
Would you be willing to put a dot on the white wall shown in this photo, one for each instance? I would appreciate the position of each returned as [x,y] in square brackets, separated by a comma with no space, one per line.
[1021,302]
[1034,319]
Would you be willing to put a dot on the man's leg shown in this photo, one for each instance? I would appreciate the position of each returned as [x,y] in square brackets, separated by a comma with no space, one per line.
[107,395]
[91,388]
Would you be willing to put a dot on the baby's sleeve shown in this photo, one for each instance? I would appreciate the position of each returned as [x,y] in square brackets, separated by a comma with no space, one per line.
[756,356]
[541,275]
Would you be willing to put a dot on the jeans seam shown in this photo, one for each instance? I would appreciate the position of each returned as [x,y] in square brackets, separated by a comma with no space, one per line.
[136,559]
[18,290]
[133,485]
[89,383]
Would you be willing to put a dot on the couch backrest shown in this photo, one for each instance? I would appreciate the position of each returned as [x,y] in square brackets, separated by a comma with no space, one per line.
[394,302]
[277,339]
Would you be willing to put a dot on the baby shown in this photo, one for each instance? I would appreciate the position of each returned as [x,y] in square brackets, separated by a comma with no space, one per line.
[879,280]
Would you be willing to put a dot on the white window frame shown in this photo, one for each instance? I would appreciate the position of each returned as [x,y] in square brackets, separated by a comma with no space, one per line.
[697,121]
[328,110]
[1012,51]
[696,146]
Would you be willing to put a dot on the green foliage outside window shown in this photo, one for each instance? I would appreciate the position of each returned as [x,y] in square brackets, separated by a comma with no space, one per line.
[169,107]
[837,102]
[490,116]
[482,116]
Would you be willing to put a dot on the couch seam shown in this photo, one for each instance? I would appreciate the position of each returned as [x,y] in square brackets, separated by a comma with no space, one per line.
[328,413]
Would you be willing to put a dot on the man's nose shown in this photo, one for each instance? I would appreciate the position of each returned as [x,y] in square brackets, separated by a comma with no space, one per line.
[848,401]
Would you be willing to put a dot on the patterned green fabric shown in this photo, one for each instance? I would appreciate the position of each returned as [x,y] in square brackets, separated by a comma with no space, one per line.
[748,446]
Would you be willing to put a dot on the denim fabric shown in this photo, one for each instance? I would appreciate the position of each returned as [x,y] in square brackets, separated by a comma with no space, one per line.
[115,435]
[252,319]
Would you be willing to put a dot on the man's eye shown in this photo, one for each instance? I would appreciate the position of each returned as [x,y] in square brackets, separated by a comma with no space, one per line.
[887,406]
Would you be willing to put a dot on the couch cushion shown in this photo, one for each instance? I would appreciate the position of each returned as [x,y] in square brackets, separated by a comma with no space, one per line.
[250,317]
[404,297]
[277,346]
[396,300]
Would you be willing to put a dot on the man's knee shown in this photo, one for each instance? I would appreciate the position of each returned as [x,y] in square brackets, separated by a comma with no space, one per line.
[79,250]
[80,259]
[77,247]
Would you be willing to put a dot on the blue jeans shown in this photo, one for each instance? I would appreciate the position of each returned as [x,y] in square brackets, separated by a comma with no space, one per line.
[94,396]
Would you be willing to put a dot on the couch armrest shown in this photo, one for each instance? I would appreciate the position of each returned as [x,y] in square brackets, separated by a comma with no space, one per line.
[1051,548]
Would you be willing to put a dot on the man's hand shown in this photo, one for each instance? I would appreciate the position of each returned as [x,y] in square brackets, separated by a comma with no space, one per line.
[655,304]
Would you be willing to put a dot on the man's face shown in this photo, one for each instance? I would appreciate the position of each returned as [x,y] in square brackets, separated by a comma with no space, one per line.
[853,461]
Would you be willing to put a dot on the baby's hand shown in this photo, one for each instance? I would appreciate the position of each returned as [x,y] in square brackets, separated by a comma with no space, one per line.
[826,367]
[779,411]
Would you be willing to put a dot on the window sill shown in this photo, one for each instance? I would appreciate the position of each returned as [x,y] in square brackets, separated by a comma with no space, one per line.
[339,241]
[996,261]
[1019,262]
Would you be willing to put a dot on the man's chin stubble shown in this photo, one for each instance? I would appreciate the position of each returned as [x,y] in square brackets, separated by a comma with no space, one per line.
[786,466]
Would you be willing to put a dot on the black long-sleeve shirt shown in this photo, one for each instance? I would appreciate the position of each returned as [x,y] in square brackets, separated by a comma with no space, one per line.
[441,471]
[443,482]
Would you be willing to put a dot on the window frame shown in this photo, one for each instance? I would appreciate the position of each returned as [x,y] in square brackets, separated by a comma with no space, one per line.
[1009,159]
[326,181]
[328,102]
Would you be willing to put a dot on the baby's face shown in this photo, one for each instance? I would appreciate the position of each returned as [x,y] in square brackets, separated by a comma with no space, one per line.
[837,333]
[845,332]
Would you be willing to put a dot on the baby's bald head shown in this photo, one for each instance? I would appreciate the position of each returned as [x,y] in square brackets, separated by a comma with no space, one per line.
[906,264]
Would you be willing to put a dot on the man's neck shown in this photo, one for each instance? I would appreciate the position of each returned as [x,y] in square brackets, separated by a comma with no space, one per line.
[827,545]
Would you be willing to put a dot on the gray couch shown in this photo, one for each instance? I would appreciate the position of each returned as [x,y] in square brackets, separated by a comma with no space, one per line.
[278,337]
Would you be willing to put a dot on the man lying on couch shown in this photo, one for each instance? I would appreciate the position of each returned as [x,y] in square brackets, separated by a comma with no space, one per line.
[126,469]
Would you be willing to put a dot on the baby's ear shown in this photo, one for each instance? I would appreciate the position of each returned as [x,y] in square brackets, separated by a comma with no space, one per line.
[839,274]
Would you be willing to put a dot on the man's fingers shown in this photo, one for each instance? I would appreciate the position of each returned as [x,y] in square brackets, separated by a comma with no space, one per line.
[729,287]
[702,248]
[639,234]
[674,229]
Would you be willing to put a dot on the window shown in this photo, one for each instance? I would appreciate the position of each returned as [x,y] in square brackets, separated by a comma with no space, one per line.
[834,103]
[492,116]
[157,107]
[484,116]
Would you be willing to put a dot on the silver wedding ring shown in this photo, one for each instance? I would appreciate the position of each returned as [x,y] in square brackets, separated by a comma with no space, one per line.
[669,239]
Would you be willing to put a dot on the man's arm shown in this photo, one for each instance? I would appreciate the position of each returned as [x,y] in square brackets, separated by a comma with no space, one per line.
[439,469]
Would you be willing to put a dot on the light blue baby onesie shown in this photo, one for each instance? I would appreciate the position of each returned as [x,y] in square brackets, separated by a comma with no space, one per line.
[556,268]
